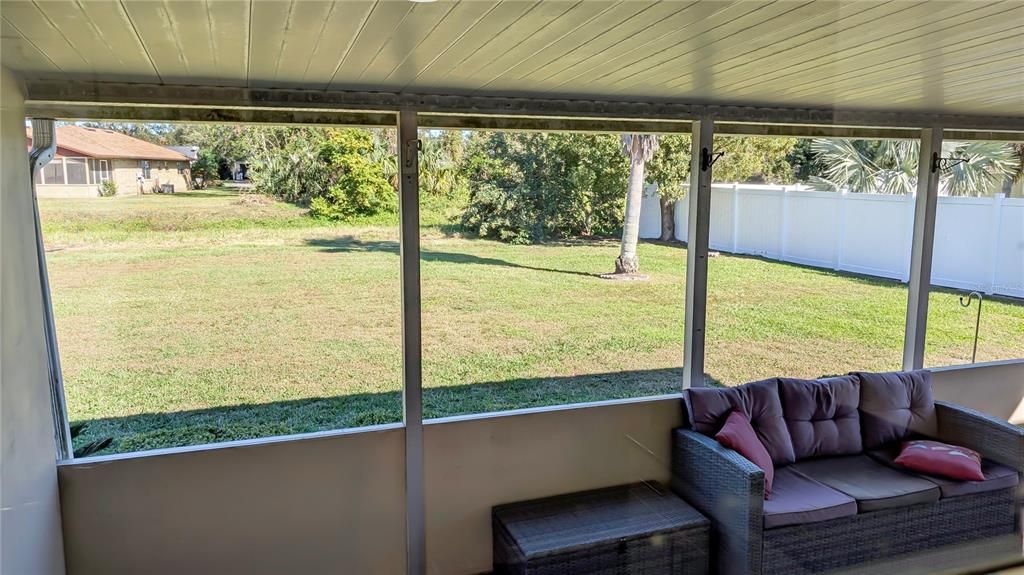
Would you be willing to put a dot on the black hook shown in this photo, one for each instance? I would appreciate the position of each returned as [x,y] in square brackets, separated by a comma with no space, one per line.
[940,163]
[708,159]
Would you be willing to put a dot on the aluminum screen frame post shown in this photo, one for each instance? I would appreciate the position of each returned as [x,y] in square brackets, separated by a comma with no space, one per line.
[412,366]
[919,284]
[697,234]
[44,146]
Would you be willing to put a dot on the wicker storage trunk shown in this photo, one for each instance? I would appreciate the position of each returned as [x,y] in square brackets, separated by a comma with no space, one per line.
[642,528]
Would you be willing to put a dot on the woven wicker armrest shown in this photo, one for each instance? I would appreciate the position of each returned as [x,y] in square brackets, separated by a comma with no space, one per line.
[729,489]
[993,438]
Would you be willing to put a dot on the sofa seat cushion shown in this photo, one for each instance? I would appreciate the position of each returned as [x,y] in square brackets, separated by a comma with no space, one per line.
[821,415]
[996,476]
[797,499]
[874,485]
[896,406]
[708,407]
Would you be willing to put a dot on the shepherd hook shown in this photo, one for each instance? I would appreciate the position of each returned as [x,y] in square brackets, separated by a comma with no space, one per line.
[977,322]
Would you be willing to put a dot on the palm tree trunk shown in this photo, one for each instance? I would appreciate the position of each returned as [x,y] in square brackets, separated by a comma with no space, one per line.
[628,262]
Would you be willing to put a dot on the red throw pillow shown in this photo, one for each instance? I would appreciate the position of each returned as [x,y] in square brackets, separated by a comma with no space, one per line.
[738,434]
[941,459]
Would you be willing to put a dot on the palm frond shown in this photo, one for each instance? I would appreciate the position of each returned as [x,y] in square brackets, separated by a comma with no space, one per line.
[639,146]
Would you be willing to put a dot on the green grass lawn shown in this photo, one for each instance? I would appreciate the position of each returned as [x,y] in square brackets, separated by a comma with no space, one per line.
[210,316]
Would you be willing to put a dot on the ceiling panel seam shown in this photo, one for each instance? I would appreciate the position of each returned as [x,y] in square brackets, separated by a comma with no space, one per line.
[624,84]
[512,48]
[422,40]
[352,42]
[896,63]
[553,42]
[791,68]
[655,40]
[135,30]
[450,45]
[31,43]
[660,21]
[938,46]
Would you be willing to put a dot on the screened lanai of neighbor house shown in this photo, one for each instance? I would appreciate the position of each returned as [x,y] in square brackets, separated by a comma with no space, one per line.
[445,495]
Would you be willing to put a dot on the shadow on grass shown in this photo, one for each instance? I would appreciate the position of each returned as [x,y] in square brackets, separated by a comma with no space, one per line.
[197,427]
[349,244]
[204,194]
[861,278]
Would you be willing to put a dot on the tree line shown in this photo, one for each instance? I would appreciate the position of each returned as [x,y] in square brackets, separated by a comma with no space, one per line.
[525,187]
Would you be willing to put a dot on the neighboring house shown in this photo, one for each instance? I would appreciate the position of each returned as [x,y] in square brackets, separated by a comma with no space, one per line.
[190,152]
[86,157]
[240,170]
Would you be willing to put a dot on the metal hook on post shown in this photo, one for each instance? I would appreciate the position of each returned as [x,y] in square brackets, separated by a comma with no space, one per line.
[943,164]
[708,158]
[977,322]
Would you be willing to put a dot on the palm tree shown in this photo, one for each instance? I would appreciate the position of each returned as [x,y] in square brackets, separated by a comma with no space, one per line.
[639,148]
[890,166]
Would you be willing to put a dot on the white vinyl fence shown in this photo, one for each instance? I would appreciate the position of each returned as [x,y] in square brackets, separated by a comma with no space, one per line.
[979,242]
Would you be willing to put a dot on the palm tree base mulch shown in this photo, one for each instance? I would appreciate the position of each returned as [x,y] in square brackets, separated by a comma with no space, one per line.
[625,277]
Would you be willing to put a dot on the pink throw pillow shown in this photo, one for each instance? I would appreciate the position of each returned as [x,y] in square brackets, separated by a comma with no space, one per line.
[941,459]
[738,434]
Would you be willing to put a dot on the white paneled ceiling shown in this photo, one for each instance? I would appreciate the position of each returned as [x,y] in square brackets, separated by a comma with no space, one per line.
[936,56]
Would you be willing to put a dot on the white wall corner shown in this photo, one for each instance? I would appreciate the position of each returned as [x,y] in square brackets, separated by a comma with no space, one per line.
[30,521]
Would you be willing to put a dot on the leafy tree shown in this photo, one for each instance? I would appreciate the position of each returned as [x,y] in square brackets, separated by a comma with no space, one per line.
[530,187]
[330,170]
[357,186]
[384,153]
[286,162]
[670,169]
[441,161]
[204,169]
[890,166]
[639,148]
[746,158]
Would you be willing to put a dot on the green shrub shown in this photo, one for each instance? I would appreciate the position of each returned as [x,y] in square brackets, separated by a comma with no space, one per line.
[526,188]
[327,169]
[357,186]
[108,188]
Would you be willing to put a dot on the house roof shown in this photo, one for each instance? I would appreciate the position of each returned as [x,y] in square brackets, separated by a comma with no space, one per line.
[100,143]
[190,152]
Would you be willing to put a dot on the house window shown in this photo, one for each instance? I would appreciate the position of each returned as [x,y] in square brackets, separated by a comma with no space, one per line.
[53,173]
[104,171]
[77,171]
[144,164]
[181,167]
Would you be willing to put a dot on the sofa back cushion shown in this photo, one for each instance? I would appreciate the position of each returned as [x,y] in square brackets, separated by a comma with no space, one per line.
[708,407]
[821,415]
[895,406]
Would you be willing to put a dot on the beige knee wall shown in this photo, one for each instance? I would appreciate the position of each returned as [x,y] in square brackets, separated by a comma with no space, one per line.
[995,387]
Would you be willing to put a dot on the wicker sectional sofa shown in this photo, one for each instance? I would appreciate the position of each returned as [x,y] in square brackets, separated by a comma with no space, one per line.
[838,499]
